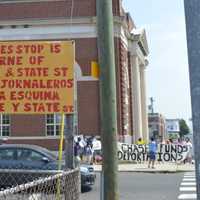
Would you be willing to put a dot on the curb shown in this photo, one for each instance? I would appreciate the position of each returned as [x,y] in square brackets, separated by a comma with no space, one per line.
[164,171]
[153,172]
[144,169]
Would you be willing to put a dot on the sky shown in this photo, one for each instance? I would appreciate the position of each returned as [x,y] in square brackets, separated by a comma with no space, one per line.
[167,72]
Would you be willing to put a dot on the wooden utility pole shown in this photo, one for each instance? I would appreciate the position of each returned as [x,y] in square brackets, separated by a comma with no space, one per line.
[192,15]
[107,99]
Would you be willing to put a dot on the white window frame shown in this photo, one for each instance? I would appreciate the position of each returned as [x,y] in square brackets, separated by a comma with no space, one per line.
[56,122]
[4,125]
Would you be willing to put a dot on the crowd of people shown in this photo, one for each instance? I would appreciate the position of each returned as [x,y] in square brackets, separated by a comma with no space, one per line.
[152,148]
[184,142]
[85,152]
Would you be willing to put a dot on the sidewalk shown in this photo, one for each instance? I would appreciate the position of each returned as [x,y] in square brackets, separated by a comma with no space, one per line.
[159,168]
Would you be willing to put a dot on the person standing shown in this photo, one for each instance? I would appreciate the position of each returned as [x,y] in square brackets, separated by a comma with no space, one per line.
[82,144]
[140,141]
[88,153]
[152,153]
[189,154]
[77,153]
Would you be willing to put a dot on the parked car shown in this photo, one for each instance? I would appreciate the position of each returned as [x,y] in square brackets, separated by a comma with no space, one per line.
[20,163]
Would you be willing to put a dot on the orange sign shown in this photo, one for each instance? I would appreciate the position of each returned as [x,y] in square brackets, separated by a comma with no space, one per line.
[36,77]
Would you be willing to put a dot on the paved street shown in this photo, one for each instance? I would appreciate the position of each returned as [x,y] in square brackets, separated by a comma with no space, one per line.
[188,186]
[142,186]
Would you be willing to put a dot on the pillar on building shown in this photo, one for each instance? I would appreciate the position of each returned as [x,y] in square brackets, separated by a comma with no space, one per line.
[136,92]
[145,130]
[138,49]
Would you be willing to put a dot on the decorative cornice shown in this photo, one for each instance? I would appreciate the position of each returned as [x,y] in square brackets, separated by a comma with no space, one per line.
[24,1]
[146,62]
[64,28]
[49,32]
[49,21]
[31,137]
[120,27]
[139,35]
[135,50]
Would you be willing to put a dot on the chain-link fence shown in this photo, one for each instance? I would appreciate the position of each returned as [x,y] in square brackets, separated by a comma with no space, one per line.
[39,185]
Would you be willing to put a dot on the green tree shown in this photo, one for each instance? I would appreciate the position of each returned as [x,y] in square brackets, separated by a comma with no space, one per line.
[184,129]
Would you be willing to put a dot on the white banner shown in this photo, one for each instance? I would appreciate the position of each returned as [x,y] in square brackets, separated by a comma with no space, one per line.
[165,152]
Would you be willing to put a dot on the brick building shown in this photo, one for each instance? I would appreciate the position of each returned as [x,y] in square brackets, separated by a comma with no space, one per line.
[157,126]
[60,20]
[173,128]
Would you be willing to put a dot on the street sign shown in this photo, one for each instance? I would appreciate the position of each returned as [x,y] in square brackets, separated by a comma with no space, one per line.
[36,77]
